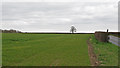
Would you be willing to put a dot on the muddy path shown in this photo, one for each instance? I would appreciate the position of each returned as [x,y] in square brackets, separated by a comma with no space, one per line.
[93,58]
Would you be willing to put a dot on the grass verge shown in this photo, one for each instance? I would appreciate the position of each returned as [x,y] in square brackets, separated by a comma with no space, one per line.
[107,53]
[115,35]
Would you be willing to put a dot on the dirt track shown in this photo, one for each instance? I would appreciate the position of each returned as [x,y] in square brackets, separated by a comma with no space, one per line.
[93,58]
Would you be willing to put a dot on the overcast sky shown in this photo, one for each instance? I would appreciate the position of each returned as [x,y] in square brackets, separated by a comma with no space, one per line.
[59,16]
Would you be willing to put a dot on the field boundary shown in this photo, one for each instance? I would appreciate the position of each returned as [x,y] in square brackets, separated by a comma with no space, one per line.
[93,58]
[54,33]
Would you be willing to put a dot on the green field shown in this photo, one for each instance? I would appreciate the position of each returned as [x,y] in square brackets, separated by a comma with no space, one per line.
[45,49]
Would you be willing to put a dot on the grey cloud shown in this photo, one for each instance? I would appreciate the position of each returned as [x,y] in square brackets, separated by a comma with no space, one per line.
[54,16]
[60,0]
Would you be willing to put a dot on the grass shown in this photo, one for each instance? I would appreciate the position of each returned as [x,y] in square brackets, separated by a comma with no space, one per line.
[115,35]
[107,53]
[45,49]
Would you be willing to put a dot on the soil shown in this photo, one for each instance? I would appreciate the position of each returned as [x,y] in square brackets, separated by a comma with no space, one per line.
[93,58]
[55,63]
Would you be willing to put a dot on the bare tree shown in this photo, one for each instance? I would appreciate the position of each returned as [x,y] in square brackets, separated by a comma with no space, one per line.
[73,29]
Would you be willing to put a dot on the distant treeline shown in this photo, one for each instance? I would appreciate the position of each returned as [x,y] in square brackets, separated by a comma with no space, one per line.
[10,31]
[53,33]
[17,31]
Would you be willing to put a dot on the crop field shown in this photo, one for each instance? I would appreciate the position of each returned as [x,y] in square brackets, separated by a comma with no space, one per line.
[45,49]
